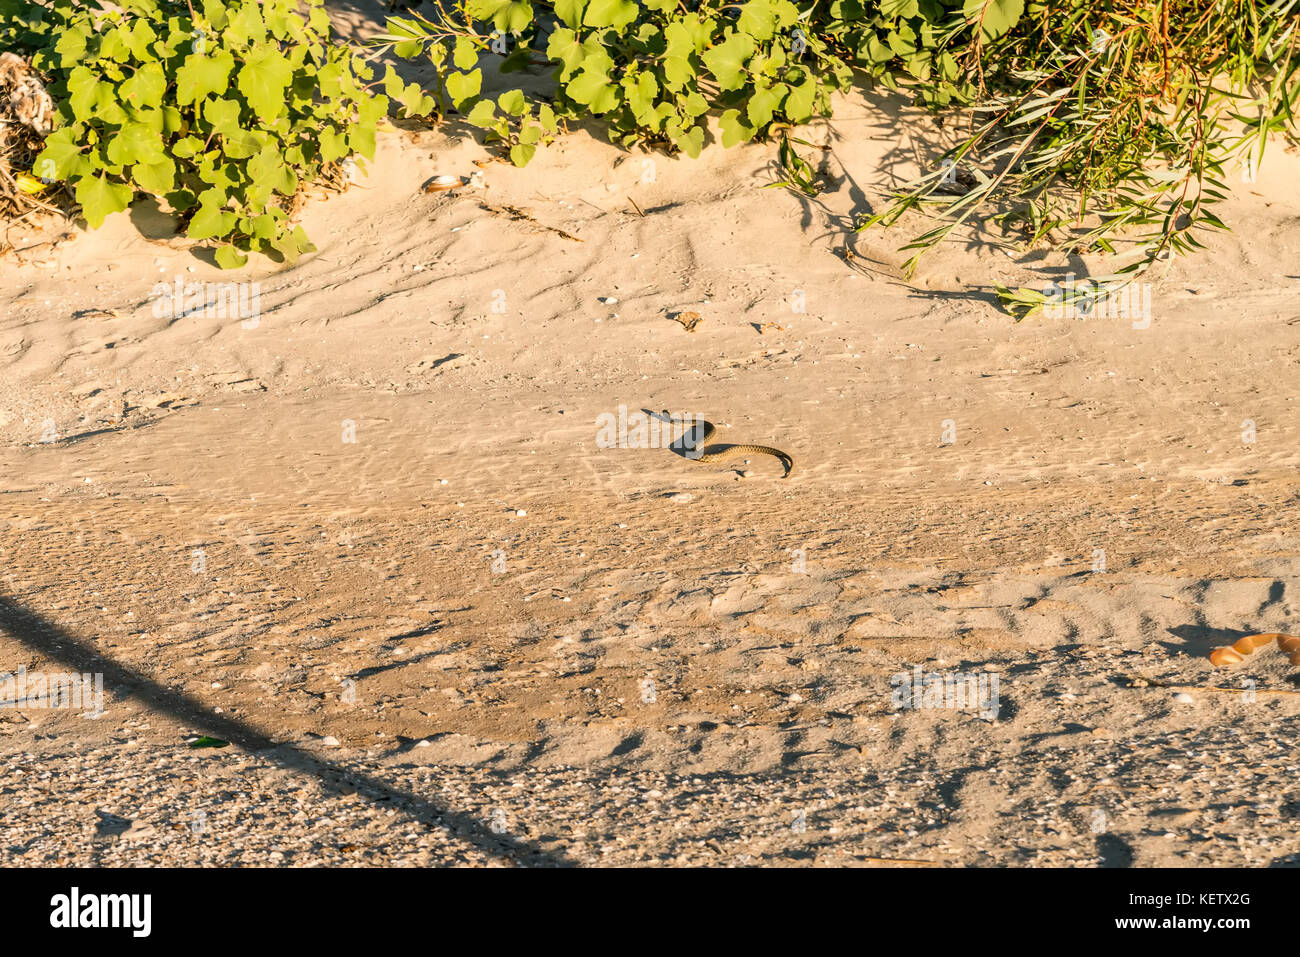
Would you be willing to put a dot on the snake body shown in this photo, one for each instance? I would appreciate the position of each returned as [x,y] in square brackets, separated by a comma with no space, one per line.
[694,442]
[1231,654]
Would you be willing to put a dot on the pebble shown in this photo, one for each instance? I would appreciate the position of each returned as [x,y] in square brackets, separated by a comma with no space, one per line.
[1184,698]
[138,831]
[520,512]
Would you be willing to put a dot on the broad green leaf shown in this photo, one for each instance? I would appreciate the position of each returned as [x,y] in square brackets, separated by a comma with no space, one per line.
[483,115]
[734,129]
[609,13]
[995,17]
[269,169]
[570,11]
[145,87]
[461,87]
[263,79]
[157,177]
[899,8]
[690,142]
[764,103]
[98,198]
[210,221]
[564,46]
[62,158]
[333,145]
[727,60]
[799,102]
[757,19]
[134,143]
[228,257]
[202,74]
[466,54]
[513,102]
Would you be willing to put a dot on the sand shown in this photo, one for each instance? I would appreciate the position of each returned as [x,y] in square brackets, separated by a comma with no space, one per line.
[371,535]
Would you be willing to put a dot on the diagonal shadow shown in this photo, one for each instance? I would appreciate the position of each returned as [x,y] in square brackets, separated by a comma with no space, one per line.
[52,641]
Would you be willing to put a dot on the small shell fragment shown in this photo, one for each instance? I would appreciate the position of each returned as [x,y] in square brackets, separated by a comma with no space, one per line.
[440,184]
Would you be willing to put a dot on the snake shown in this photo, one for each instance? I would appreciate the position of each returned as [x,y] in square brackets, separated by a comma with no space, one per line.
[704,431]
[1232,654]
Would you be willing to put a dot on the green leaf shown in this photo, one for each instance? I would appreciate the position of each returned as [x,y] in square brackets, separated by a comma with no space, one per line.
[466,55]
[727,60]
[134,143]
[764,103]
[609,13]
[899,8]
[461,87]
[799,102]
[757,19]
[734,129]
[202,74]
[141,36]
[269,169]
[690,142]
[98,198]
[483,115]
[593,90]
[71,45]
[564,46]
[62,157]
[211,220]
[995,17]
[333,145]
[145,87]
[157,177]
[570,11]
[263,79]
[228,257]
[513,102]
[223,115]
[508,16]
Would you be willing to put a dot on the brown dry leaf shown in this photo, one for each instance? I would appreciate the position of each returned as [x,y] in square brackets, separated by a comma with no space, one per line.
[689,320]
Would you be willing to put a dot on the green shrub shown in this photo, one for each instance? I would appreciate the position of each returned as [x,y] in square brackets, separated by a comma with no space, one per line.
[225,110]
[1112,127]
[1089,124]
[649,71]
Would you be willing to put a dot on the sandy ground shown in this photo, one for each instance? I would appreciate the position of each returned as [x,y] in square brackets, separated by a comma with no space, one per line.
[473,634]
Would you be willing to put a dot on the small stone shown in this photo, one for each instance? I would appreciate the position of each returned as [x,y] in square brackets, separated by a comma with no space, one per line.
[138,831]
[520,512]
[1184,698]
